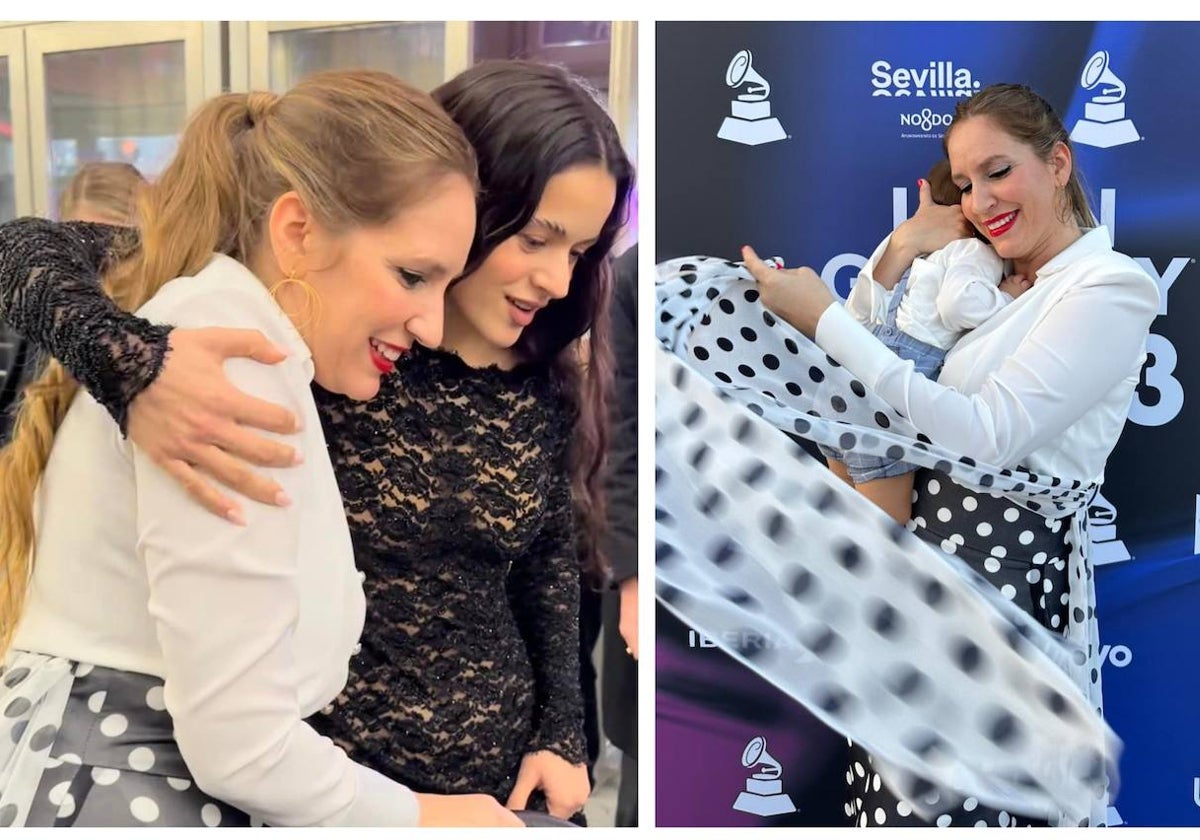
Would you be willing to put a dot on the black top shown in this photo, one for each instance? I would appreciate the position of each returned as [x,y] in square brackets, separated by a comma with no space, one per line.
[620,544]
[456,488]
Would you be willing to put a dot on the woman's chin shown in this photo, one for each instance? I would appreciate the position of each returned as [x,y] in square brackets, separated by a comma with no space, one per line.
[359,388]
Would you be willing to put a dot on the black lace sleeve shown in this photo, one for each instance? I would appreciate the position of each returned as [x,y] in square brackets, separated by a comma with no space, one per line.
[50,293]
[543,589]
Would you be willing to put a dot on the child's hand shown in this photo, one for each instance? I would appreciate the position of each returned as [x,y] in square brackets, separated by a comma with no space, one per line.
[1015,286]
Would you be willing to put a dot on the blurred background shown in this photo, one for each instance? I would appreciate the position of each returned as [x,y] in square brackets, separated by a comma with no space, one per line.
[74,92]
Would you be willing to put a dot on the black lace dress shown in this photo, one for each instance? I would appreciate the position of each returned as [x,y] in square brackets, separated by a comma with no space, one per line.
[455,484]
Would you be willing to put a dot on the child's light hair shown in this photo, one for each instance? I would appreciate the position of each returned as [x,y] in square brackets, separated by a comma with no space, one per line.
[102,191]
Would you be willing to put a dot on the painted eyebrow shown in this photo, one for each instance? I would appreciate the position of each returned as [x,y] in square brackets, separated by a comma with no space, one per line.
[551,226]
[427,267]
[987,163]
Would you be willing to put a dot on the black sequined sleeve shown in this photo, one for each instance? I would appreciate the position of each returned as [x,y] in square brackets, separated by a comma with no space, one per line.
[50,293]
[543,589]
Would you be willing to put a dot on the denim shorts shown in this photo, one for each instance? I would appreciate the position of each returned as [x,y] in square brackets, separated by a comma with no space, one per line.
[928,362]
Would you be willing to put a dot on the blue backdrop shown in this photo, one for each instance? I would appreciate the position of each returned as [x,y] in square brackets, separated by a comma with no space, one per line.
[861,108]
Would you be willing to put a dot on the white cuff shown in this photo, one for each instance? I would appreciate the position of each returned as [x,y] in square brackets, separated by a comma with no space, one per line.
[853,346]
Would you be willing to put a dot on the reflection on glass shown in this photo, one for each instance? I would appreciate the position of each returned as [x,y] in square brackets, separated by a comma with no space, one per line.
[574,32]
[8,174]
[118,103]
[580,46]
[414,51]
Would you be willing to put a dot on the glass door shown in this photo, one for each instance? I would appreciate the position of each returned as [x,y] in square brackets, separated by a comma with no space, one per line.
[423,53]
[16,193]
[113,92]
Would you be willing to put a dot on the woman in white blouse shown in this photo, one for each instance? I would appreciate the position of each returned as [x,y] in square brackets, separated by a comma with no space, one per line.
[160,663]
[949,291]
[1044,384]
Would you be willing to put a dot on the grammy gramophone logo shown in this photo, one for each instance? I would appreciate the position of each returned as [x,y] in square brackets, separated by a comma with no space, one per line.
[763,796]
[750,123]
[1104,123]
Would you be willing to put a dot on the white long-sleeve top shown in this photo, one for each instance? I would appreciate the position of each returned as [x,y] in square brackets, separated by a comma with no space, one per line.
[1046,383]
[952,290]
[251,628]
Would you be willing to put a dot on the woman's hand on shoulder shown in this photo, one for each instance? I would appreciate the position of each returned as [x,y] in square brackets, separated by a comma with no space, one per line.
[797,295]
[193,423]
[472,810]
[565,784]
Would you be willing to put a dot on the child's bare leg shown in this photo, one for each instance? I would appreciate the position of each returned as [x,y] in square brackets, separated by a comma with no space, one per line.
[893,494]
[839,469]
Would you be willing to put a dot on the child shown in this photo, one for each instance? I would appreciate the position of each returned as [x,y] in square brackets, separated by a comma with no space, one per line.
[102,191]
[947,292]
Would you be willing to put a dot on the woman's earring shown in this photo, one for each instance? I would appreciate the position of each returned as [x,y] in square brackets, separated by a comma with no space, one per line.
[312,302]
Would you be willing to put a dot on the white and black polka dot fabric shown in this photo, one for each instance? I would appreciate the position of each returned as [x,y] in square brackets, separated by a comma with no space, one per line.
[1023,556]
[82,745]
[955,688]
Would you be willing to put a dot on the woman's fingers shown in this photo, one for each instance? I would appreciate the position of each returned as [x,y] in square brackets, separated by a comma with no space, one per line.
[268,416]
[525,784]
[762,270]
[229,342]
[247,444]
[202,492]
[561,809]
[192,421]
[757,268]
[924,193]
[237,475]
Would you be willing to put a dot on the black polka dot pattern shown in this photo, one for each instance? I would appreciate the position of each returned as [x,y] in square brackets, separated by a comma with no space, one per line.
[835,562]
[90,746]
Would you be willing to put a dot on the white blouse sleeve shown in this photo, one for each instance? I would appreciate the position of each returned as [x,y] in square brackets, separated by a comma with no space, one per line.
[969,293]
[1076,354]
[868,301]
[225,602]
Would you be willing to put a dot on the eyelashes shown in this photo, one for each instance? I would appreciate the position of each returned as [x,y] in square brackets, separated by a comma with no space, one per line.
[409,279]
[995,175]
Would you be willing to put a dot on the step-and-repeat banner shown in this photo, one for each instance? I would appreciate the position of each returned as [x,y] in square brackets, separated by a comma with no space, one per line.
[805,140]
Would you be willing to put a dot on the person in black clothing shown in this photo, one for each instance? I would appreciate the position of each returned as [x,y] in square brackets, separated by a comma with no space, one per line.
[619,683]
[98,192]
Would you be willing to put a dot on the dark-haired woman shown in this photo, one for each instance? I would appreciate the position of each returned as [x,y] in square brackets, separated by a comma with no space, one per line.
[463,480]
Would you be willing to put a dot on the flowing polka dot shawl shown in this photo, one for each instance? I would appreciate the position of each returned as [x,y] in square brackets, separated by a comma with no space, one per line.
[954,689]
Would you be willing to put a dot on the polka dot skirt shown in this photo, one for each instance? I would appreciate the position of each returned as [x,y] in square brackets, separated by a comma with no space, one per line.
[878,632]
[1022,555]
[82,745]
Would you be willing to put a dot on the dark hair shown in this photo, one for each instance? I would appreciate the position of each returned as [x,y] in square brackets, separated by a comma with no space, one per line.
[1026,116]
[944,191]
[528,122]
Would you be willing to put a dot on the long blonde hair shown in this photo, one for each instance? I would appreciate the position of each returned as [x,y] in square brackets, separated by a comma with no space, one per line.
[108,188]
[356,146]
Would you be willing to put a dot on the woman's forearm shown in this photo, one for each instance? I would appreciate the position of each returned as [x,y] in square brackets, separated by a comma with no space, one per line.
[897,258]
[50,293]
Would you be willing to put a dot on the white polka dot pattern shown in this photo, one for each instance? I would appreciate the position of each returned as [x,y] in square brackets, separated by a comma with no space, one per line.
[733,498]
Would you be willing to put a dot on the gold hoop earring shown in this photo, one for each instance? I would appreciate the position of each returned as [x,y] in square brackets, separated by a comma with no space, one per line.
[312,301]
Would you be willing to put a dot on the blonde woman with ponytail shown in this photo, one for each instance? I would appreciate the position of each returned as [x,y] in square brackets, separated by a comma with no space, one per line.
[159,664]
